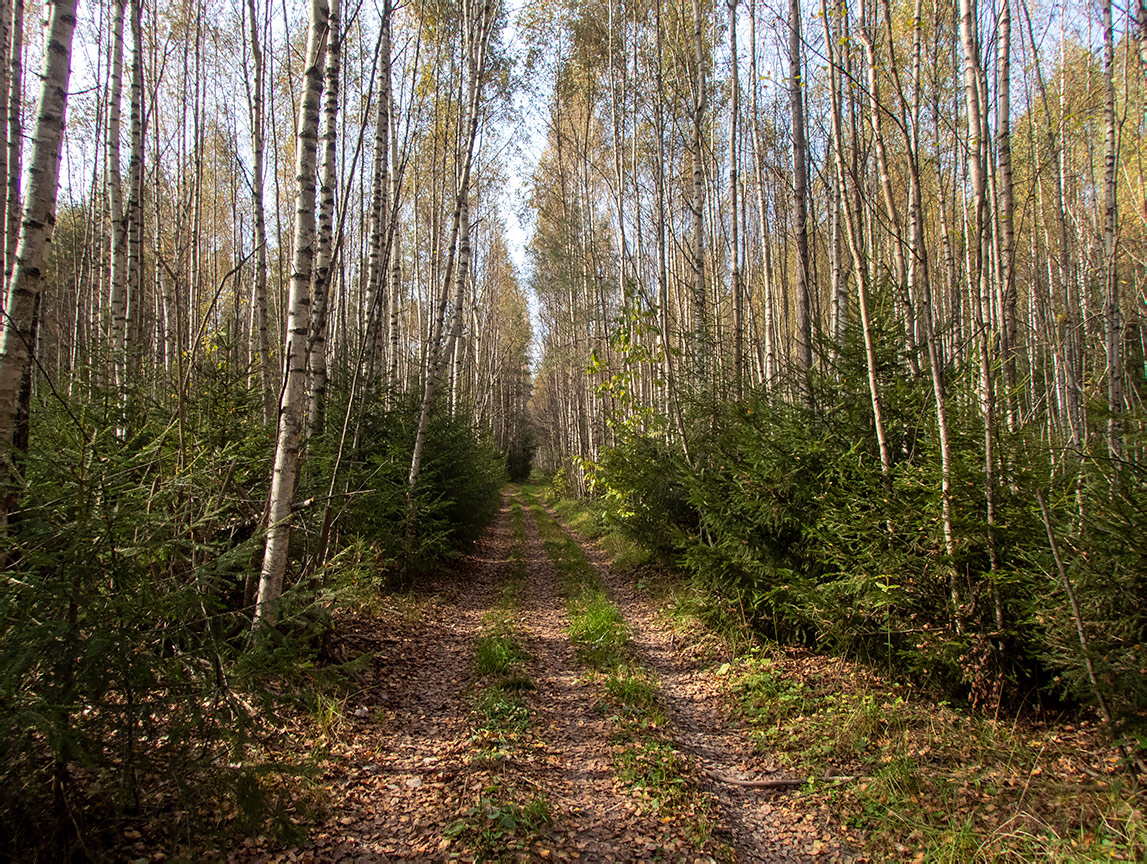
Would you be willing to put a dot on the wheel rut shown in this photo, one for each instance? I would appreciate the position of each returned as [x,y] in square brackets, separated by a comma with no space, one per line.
[758,825]
[596,819]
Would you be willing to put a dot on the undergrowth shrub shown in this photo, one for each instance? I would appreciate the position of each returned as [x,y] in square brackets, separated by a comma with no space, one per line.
[784,515]
[459,486]
[127,685]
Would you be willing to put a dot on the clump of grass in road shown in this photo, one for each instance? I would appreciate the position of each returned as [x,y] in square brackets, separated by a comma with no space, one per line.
[590,518]
[496,655]
[498,824]
[634,693]
[596,627]
[598,630]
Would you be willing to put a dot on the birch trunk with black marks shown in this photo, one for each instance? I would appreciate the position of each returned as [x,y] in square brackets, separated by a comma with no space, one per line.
[117,273]
[700,304]
[979,291]
[1112,326]
[134,213]
[15,98]
[1005,217]
[377,296]
[292,404]
[259,346]
[325,245]
[800,200]
[734,245]
[36,226]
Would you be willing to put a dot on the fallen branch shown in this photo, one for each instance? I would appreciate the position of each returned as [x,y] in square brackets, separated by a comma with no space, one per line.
[780,783]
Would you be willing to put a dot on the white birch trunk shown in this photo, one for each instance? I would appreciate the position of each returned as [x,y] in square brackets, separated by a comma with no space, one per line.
[15,98]
[259,348]
[291,407]
[700,309]
[380,208]
[117,275]
[324,252]
[800,194]
[37,224]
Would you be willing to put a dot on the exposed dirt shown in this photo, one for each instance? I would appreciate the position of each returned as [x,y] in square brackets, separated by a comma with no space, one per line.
[402,769]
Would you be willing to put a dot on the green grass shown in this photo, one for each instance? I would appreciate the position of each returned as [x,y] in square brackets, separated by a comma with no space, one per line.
[589,518]
[947,786]
[631,690]
[501,715]
[504,818]
[498,825]
[597,630]
[496,654]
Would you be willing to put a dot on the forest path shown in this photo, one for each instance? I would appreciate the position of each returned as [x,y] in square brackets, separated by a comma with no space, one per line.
[414,775]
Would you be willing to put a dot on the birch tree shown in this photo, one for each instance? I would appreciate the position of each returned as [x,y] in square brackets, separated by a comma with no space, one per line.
[325,246]
[117,273]
[477,28]
[293,403]
[259,350]
[39,219]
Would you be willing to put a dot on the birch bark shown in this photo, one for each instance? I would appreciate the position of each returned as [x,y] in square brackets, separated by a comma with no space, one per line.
[292,404]
[259,349]
[324,251]
[36,226]
[800,196]
[117,275]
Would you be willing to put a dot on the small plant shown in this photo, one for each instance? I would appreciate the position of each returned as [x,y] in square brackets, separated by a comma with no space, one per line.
[497,824]
[655,769]
[502,712]
[496,654]
[634,694]
[597,629]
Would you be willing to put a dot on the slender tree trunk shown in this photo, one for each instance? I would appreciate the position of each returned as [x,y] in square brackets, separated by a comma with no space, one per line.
[978,276]
[259,352]
[292,405]
[800,200]
[770,363]
[476,38]
[380,208]
[891,211]
[919,282]
[734,245]
[1112,325]
[7,19]
[324,247]
[852,234]
[134,214]
[18,340]
[838,291]
[15,138]
[1005,216]
[117,277]
[394,253]
[700,308]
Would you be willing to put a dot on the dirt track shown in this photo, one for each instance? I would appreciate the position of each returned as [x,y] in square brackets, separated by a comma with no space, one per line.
[403,776]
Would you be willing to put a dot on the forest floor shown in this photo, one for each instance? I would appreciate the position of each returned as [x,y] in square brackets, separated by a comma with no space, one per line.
[534,705]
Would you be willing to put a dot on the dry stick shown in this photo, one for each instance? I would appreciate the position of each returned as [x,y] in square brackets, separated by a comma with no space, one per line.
[782,783]
[1104,711]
